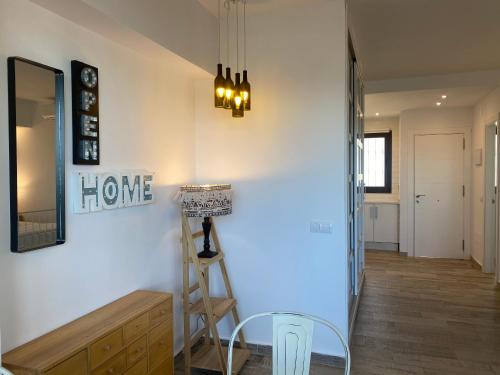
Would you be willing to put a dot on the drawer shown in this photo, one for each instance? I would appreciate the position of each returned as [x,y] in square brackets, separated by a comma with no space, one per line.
[76,365]
[160,345]
[115,366]
[136,350]
[136,328]
[106,348]
[160,313]
[140,368]
[165,368]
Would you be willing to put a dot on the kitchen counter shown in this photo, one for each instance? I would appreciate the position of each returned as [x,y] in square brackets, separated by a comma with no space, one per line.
[382,200]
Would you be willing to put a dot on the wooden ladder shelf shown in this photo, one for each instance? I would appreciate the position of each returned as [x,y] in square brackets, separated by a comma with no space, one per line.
[211,355]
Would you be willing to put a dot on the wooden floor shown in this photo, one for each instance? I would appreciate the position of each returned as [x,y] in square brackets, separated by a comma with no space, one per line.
[419,316]
[426,317]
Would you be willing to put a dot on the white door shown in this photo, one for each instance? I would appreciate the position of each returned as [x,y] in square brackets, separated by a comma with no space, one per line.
[439,196]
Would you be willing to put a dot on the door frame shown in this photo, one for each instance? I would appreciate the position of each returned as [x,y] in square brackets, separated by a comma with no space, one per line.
[410,198]
[489,265]
[497,271]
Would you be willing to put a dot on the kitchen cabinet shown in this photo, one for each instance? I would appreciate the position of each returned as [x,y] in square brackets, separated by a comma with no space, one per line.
[382,222]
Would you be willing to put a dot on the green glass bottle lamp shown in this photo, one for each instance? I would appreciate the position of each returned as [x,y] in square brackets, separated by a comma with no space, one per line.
[246,92]
[219,88]
[237,103]
[229,90]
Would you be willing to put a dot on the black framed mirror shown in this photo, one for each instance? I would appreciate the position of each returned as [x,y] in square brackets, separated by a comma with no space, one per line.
[36,155]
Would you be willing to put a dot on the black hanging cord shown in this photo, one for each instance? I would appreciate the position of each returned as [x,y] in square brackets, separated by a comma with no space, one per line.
[218,20]
[237,38]
[227,6]
[245,34]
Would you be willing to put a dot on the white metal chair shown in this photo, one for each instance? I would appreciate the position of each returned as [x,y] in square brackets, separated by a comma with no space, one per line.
[292,342]
[4,371]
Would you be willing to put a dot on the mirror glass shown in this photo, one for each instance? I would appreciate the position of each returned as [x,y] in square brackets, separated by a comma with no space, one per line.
[36,124]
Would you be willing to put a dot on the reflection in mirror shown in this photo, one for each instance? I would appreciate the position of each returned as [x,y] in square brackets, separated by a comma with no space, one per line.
[36,155]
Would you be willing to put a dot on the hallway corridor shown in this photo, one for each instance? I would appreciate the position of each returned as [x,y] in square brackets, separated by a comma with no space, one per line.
[426,317]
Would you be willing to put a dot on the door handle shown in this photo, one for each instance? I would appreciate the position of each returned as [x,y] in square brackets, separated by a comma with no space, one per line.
[419,196]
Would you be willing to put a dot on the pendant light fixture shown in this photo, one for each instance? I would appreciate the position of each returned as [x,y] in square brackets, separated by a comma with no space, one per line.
[237,103]
[219,82]
[245,87]
[229,86]
[227,94]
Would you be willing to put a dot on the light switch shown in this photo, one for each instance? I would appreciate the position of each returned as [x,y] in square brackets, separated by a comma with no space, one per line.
[324,227]
[314,227]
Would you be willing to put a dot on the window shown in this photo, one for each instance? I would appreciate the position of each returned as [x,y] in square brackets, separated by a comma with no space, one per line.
[378,162]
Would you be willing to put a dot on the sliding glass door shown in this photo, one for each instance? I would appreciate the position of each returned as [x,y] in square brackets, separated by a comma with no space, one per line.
[356,189]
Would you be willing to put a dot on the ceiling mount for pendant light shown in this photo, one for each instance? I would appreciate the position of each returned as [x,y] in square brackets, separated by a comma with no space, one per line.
[227,94]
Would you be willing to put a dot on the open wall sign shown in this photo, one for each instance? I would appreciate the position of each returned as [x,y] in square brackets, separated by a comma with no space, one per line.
[85,92]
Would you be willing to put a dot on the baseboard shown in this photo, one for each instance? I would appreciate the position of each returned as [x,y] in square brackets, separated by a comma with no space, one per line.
[476,264]
[383,246]
[403,254]
[267,350]
[317,358]
[355,307]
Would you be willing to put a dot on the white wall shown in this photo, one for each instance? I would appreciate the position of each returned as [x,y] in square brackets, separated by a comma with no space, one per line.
[384,124]
[485,113]
[147,121]
[286,161]
[428,119]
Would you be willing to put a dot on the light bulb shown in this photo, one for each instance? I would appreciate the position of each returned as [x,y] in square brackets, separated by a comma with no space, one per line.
[221,91]
[229,93]
[237,101]
[245,95]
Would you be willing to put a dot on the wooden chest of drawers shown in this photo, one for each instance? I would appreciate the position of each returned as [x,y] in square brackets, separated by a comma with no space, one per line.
[131,336]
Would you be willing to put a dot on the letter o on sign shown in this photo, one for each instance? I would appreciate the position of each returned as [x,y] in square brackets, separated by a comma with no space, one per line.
[110,191]
[89,77]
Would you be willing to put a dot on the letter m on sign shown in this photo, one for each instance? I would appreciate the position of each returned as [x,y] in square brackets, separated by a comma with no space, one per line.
[131,190]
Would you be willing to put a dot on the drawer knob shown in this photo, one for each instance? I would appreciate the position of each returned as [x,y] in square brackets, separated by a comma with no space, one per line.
[162,342]
[111,370]
[163,312]
[139,350]
[107,348]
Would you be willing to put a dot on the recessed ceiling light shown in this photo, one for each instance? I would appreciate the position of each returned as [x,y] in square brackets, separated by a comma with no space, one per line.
[439,104]
[444,96]
[377,114]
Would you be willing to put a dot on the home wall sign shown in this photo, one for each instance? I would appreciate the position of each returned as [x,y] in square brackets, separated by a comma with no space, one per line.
[111,190]
[85,92]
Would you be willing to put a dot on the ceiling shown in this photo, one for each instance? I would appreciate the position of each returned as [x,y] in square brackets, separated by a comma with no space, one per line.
[411,38]
[393,103]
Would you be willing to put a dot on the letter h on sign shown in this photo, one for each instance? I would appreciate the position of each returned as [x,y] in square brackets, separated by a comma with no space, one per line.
[85,91]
